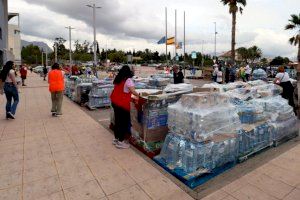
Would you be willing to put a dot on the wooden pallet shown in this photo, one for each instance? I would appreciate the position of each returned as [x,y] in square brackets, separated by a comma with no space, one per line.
[197,178]
[254,152]
[150,154]
[285,138]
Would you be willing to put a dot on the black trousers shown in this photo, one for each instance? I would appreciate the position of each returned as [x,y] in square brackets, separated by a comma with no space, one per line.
[122,123]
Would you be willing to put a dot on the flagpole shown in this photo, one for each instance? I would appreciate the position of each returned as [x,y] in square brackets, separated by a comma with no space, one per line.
[175,34]
[166,14]
[184,41]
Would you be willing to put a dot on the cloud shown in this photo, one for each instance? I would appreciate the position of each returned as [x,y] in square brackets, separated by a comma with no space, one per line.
[139,24]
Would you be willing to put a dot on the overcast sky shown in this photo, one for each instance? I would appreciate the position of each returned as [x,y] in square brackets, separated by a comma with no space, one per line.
[139,24]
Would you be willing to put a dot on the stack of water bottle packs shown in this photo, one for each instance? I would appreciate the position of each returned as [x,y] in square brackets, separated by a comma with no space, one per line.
[203,133]
[99,95]
[149,115]
[259,74]
[208,130]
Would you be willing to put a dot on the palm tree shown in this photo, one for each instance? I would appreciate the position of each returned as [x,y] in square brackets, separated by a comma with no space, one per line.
[295,24]
[234,7]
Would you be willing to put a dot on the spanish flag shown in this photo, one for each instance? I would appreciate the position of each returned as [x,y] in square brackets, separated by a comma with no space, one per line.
[171,41]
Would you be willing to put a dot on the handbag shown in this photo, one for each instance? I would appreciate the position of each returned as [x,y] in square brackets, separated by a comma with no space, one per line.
[279,81]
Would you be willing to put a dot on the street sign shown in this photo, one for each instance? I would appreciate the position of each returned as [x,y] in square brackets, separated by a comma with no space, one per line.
[194,54]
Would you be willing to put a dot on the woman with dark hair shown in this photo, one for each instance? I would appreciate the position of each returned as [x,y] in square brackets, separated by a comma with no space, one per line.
[56,88]
[8,77]
[283,79]
[120,98]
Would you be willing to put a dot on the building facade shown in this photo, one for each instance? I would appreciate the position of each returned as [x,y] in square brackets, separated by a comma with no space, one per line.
[3,32]
[14,42]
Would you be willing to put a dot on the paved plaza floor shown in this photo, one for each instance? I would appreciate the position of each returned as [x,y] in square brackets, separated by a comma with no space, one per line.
[72,157]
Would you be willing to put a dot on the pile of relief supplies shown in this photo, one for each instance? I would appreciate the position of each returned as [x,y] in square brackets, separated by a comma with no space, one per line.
[149,114]
[211,129]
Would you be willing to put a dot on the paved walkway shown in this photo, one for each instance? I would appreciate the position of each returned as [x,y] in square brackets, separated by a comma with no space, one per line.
[70,157]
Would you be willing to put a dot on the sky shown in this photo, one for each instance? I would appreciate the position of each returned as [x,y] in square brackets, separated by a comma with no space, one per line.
[139,24]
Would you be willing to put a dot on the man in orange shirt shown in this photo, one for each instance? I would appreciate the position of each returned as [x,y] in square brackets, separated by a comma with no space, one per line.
[56,87]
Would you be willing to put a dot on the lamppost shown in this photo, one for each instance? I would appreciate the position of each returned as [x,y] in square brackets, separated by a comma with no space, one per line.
[94,26]
[215,39]
[70,45]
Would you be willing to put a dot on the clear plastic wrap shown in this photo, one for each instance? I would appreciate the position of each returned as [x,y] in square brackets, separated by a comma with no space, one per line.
[253,138]
[284,129]
[268,90]
[260,74]
[199,116]
[179,152]
[158,82]
[182,87]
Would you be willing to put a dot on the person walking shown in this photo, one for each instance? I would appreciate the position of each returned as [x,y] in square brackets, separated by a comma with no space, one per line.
[8,77]
[242,73]
[56,88]
[45,72]
[248,72]
[227,72]
[283,79]
[120,98]
[178,75]
[23,72]
[232,73]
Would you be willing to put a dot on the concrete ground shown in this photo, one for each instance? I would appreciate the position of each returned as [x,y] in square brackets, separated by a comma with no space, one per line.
[71,157]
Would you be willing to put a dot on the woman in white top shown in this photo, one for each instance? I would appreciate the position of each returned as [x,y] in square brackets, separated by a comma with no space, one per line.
[10,89]
[219,75]
[283,79]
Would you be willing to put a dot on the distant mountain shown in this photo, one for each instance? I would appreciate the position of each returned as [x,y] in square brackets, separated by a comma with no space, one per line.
[41,45]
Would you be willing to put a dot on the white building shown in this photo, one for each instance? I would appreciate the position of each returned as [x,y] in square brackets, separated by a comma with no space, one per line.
[3,32]
[14,39]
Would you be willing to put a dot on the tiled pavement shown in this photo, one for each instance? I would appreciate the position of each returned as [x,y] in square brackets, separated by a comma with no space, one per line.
[71,157]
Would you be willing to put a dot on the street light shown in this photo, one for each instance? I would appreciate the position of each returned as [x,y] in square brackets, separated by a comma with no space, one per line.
[70,39]
[215,39]
[94,25]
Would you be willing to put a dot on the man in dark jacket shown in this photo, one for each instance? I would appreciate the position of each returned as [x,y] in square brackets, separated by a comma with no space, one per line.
[178,75]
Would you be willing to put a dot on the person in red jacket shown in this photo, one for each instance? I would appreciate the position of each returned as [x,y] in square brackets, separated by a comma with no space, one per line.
[56,88]
[23,72]
[120,98]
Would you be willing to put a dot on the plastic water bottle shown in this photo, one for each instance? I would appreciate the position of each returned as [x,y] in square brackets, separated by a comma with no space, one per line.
[172,152]
[164,150]
[189,163]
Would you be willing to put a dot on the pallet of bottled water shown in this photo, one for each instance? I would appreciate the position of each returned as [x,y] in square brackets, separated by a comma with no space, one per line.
[194,163]
[254,138]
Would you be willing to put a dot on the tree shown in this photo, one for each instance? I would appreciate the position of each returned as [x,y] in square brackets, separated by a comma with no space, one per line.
[243,53]
[280,61]
[31,54]
[254,53]
[62,52]
[295,25]
[234,7]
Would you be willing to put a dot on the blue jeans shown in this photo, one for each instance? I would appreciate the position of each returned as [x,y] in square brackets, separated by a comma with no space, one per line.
[11,92]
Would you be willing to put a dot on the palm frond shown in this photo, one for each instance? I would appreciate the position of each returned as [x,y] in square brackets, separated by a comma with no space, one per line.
[243,2]
[290,26]
[292,40]
[241,10]
[295,19]
[225,2]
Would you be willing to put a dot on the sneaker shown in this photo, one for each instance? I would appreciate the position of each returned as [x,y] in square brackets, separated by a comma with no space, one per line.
[54,114]
[115,141]
[122,145]
[10,115]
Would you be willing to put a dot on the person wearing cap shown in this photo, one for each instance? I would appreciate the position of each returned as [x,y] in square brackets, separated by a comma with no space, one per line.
[178,75]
